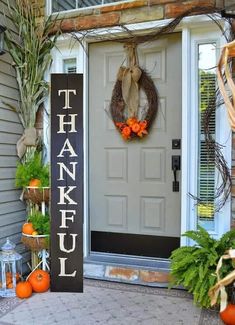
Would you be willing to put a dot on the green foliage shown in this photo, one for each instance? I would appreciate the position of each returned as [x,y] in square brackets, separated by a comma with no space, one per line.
[41,223]
[194,267]
[32,168]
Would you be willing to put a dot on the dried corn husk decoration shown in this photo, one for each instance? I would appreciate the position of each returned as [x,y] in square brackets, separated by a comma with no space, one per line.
[228,52]
[219,287]
[130,76]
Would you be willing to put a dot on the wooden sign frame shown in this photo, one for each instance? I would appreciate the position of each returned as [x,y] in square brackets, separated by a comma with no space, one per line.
[66,183]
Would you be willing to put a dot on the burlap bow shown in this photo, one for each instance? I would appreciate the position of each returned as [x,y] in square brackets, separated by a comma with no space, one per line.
[228,52]
[219,288]
[130,76]
[29,138]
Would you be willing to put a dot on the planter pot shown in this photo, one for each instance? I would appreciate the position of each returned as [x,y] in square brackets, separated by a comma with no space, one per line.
[35,243]
[37,195]
[228,315]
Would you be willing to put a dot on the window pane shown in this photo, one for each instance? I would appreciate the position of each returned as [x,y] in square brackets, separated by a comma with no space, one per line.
[206,169]
[63,5]
[70,66]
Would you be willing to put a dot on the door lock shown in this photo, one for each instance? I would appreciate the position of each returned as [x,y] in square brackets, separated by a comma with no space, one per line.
[175,167]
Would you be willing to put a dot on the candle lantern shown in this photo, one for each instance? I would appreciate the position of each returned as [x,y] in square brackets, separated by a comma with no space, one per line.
[11,269]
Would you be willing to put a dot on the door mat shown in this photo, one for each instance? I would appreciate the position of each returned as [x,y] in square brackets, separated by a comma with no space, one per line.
[107,303]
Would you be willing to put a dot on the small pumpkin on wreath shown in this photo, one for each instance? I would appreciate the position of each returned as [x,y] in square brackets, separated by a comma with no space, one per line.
[124,106]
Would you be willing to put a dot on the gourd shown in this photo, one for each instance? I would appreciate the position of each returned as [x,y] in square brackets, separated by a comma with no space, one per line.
[39,280]
[35,182]
[228,314]
[24,290]
[28,228]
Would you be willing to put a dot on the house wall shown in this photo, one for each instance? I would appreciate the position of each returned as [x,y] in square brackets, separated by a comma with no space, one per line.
[137,12]
[12,210]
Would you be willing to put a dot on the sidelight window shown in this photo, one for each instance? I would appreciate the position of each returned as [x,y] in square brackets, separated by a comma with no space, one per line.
[206,168]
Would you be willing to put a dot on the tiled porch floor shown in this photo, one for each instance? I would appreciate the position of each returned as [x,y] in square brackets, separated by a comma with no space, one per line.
[112,304]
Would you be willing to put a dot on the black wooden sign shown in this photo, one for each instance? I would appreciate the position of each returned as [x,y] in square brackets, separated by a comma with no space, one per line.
[66,182]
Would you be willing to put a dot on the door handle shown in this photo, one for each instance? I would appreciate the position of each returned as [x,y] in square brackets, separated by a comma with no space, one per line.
[175,167]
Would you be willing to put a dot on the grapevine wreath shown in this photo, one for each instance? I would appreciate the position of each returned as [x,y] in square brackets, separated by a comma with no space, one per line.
[124,106]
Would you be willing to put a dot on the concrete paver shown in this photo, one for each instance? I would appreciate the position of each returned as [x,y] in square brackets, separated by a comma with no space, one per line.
[111,304]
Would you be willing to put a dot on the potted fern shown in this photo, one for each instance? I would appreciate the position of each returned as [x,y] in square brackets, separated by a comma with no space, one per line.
[36,231]
[33,177]
[194,267]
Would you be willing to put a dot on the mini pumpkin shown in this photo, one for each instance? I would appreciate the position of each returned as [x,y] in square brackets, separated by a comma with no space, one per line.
[24,290]
[28,228]
[35,182]
[228,315]
[39,280]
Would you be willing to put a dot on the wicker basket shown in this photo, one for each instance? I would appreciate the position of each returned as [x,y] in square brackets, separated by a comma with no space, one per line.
[37,195]
[35,243]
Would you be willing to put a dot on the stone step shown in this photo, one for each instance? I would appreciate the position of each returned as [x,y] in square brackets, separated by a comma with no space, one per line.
[136,274]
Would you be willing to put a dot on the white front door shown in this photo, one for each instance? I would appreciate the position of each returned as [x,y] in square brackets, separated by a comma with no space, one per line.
[133,208]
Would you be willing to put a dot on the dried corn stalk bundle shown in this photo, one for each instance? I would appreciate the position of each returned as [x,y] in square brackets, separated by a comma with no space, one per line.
[225,77]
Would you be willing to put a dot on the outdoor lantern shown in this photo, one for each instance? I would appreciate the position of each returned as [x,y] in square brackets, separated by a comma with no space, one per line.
[2,30]
[11,269]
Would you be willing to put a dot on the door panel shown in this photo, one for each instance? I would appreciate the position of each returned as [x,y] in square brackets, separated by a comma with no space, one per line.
[131,182]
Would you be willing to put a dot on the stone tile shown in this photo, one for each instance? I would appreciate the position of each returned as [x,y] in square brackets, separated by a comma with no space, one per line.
[121,273]
[175,9]
[131,16]
[88,22]
[153,276]
[93,270]
[108,303]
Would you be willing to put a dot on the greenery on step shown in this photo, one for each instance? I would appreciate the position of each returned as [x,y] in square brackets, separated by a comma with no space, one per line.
[194,267]
[41,223]
[31,169]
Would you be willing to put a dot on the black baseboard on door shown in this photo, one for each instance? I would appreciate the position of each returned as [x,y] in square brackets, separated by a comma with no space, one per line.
[133,244]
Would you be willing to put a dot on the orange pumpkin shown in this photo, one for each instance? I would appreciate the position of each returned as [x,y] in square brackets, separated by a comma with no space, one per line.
[24,290]
[35,182]
[228,315]
[28,228]
[39,280]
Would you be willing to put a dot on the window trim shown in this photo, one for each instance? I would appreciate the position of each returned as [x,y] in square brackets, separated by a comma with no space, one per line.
[222,219]
[49,7]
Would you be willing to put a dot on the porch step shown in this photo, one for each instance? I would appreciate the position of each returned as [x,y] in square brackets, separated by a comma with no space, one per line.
[157,276]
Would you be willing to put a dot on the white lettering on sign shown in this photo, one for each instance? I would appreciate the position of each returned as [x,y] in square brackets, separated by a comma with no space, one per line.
[61,237]
[64,217]
[71,122]
[62,268]
[67,240]
[63,167]
[64,195]
[67,93]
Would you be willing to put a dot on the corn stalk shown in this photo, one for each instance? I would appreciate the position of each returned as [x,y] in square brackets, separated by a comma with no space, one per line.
[31,54]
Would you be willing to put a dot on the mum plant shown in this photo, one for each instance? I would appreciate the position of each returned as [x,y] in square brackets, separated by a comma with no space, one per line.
[194,267]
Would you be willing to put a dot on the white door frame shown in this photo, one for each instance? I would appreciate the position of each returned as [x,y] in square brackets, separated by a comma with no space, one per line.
[194,29]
